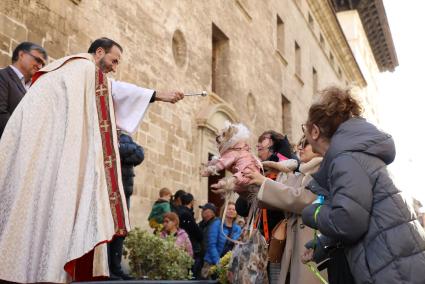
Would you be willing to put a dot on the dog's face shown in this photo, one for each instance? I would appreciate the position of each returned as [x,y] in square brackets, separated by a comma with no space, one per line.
[225,135]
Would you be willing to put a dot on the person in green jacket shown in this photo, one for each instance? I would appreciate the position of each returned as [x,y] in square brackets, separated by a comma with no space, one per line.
[159,208]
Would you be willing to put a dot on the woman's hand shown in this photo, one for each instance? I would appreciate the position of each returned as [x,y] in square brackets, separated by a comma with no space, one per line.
[307,255]
[256,178]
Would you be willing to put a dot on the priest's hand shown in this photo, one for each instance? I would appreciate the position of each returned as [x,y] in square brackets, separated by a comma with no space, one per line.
[169,97]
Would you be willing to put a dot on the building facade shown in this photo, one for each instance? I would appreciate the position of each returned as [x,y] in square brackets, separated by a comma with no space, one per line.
[366,28]
[261,61]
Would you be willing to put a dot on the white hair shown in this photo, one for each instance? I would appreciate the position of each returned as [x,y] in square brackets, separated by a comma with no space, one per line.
[242,134]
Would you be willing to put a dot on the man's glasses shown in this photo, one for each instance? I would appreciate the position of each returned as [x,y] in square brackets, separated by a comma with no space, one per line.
[37,59]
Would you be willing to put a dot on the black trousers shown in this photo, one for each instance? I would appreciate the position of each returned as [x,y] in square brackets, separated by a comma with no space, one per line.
[197,266]
[338,268]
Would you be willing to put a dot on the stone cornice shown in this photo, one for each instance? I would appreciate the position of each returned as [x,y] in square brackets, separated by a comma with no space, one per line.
[325,16]
[375,23]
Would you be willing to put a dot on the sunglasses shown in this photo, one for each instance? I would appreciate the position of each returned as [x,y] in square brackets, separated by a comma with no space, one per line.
[302,143]
[37,59]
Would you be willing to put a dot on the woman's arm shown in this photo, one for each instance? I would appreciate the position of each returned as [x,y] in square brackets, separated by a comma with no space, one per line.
[344,217]
[286,196]
[290,196]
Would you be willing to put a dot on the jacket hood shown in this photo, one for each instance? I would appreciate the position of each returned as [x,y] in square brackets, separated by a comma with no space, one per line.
[180,232]
[159,201]
[357,135]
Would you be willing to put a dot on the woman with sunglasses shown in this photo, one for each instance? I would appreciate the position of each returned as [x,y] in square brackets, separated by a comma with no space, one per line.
[378,236]
[292,197]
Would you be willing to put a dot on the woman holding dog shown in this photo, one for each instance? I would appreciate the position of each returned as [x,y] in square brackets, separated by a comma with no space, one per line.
[292,197]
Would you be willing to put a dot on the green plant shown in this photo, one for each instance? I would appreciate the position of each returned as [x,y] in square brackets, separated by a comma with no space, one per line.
[156,258]
[221,268]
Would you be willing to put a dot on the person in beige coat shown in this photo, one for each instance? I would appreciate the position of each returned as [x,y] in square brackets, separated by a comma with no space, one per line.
[292,197]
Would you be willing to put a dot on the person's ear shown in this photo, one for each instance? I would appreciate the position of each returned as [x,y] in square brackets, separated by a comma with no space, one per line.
[100,52]
[315,132]
[21,54]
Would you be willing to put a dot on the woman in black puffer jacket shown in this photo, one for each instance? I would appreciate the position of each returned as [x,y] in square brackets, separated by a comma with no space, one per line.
[131,155]
[363,211]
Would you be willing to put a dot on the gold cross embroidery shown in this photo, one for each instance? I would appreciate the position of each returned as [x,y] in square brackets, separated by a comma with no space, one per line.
[108,162]
[113,197]
[104,125]
[101,89]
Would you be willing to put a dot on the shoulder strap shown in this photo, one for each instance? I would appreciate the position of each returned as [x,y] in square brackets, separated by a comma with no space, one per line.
[251,216]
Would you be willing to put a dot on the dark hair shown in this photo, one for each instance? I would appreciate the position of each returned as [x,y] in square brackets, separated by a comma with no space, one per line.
[273,135]
[186,198]
[27,46]
[179,193]
[334,107]
[104,43]
[280,145]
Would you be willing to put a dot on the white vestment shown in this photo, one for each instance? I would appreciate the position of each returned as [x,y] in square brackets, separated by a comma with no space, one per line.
[129,100]
[61,194]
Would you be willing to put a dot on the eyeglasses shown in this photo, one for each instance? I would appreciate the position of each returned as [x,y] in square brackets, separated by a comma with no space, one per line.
[37,59]
[303,143]
[260,146]
[303,127]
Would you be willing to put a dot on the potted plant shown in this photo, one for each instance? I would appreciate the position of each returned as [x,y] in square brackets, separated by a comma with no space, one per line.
[155,258]
[221,269]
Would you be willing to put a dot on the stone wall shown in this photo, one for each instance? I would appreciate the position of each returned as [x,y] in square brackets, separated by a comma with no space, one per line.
[169,44]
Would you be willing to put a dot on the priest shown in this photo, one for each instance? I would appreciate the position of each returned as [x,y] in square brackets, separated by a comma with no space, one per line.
[61,194]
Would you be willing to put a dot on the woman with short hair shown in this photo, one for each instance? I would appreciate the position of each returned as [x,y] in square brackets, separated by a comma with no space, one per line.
[292,197]
[171,228]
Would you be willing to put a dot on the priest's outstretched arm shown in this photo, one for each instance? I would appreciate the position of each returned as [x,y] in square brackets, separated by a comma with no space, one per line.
[131,103]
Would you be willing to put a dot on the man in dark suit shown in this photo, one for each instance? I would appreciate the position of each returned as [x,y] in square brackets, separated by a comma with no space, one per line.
[27,58]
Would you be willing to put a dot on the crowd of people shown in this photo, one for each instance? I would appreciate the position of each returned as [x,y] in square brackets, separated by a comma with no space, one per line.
[339,205]
[329,199]
[202,240]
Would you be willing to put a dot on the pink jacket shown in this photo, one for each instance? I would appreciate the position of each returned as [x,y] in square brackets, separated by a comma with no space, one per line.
[182,240]
[238,160]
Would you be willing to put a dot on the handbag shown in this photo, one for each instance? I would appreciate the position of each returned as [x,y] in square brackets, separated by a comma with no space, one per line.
[277,242]
[249,259]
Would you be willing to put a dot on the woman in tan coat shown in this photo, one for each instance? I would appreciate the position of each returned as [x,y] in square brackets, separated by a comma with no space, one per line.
[292,197]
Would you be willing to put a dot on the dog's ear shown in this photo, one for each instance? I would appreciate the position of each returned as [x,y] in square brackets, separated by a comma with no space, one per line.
[232,131]
[228,133]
